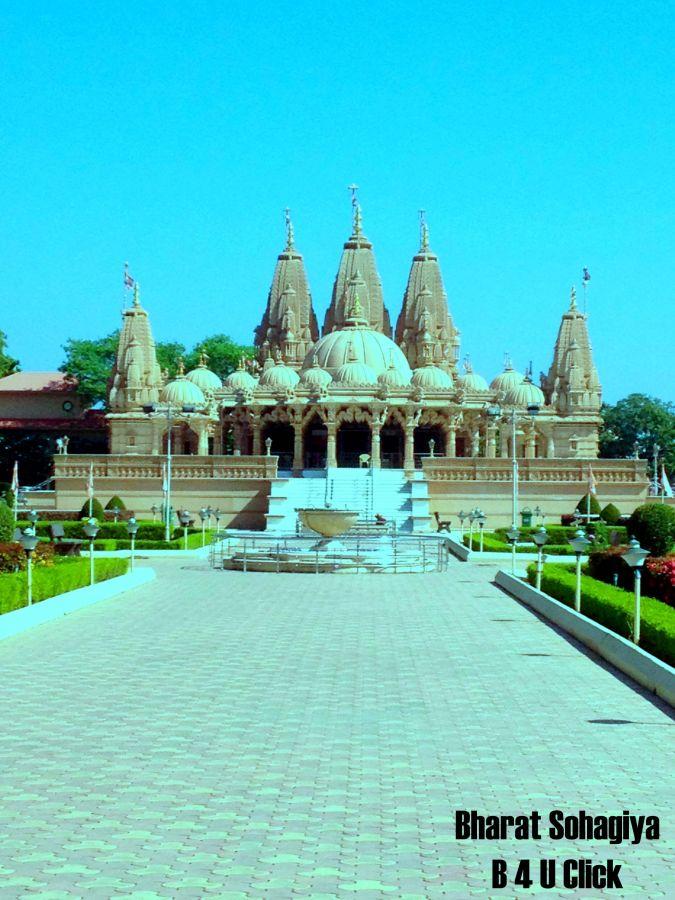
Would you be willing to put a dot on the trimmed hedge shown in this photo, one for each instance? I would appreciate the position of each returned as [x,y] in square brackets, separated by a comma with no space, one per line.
[194,541]
[492,544]
[97,511]
[67,574]
[149,531]
[115,502]
[653,524]
[613,607]
[583,505]
[6,522]
[610,514]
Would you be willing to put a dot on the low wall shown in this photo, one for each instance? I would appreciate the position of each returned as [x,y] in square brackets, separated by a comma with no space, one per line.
[651,673]
[555,485]
[238,485]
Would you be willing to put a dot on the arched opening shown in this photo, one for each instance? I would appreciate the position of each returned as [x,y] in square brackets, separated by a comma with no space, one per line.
[282,435]
[421,446]
[353,440]
[315,443]
[184,441]
[392,445]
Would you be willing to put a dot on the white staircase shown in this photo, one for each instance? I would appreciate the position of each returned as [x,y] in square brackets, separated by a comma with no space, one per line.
[368,491]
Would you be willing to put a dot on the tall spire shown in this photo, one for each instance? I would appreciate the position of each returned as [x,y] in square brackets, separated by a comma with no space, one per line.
[425,318]
[572,383]
[357,259]
[289,324]
[136,378]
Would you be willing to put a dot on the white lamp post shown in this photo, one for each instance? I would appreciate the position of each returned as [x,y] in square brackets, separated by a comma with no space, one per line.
[154,509]
[132,528]
[185,521]
[170,414]
[580,545]
[512,536]
[29,542]
[116,513]
[540,537]
[91,530]
[482,518]
[203,515]
[635,557]
[216,514]
[461,515]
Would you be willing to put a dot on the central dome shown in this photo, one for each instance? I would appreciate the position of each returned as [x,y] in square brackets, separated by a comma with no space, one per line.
[357,344]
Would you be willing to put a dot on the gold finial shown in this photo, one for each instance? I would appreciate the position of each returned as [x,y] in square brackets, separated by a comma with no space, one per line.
[467,364]
[137,295]
[356,207]
[203,358]
[508,365]
[290,234]
[180,371]
[424,231]
[573,298]
[241,366]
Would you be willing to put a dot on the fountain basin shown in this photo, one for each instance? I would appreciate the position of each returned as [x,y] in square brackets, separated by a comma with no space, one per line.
[328,522]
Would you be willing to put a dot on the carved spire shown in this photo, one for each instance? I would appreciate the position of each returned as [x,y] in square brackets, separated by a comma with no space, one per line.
[425,291]
[357,258]
[136,378]
[572,383]
[289,323]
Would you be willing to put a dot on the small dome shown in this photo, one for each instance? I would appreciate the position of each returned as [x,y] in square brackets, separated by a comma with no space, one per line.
[356,343]
[316,377]
[182,392]
[393,377]
[356,374]
[525,394]
[472,381]
[431,378]
[279,376]
[206,380]
[509,378]
[240,379]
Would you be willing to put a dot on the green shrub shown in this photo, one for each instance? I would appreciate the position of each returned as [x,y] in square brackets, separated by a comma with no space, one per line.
[610,514]
[653,525]
[613,608]
[608,564]
[582,505]
[115,502]
[7,524]
[67,574]
[96,510]
[152,531]
[492,544]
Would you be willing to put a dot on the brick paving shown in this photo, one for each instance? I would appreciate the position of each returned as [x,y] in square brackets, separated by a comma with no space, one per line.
[221,734]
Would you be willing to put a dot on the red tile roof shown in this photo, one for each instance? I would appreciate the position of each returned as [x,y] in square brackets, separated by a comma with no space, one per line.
[48,382]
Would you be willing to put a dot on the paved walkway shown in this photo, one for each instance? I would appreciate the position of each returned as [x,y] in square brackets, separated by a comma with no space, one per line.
[220,734]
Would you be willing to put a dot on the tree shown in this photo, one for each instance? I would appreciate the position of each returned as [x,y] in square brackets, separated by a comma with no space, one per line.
[8,365]
[168,354]
[91,362]
[642,420]
[223,354]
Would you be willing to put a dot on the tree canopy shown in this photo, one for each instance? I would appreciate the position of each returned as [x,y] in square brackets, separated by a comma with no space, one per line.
[8,365]
[643,421]
[92,361]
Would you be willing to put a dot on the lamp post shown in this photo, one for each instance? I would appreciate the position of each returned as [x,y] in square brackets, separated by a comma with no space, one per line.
[495,412]
[154,509]
[482,518]
[91,530]
[580,545]
[33,517]
[540,537]
[29,542]
[171,413]
[538,513]
[635,557]
[132,528]
[461,515]
[472,519]
[216,515]
[203,515]
[512,536]
[185,521]
[116,513]
[209,513]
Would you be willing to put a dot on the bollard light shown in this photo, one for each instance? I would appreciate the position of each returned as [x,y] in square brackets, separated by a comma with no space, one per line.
[635,557]
[513,536]
[116,513]
[154,509]
[91,530]
[482,519]
[132,528]
[185,517]
[29,542]
[540,536]
[580,545]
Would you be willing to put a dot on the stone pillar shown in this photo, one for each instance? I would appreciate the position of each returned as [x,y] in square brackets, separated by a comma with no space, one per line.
[257,444]
[504,440]
[202,441]
[331,457]
[156,441]
[375,456]
[475,441]
[530,442]
[550,446]
[451,440]
[491,440]
[409,455]
[297,447]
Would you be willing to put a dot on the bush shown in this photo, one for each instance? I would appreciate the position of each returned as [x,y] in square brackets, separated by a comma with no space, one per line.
[658,578]
[607,565]
[653,525]
[13,558]
[610,514]
[96,510]
[65,575]
[613,608]
[582,505]
[7,524]
[115,502]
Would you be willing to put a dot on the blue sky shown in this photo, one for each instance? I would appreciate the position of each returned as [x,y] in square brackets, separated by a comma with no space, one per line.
[538,137]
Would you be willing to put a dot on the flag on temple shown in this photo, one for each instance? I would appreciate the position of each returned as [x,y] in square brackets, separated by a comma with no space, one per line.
[90,482]
[586,276]
[592,486]
[128,280]
[665,484]
[15,478]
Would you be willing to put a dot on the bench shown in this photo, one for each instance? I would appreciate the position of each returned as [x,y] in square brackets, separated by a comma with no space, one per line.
[63,546]
[442,524]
